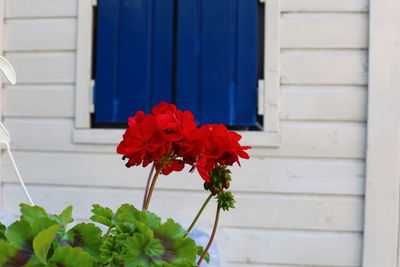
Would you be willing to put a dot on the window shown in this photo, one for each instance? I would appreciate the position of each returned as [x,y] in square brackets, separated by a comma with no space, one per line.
[204,55]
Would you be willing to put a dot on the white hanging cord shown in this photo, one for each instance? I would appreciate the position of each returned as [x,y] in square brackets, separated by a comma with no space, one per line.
[9,72]
[19,175]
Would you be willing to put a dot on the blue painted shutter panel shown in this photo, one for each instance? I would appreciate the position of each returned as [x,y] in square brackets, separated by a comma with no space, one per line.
[217,60]
[134,57]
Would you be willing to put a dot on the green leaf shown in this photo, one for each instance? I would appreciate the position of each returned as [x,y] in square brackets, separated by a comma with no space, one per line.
[102,215]
[128,213]
[40,224]
[143,250]
[2,232]
[20,233]
[66,216]
[200,251]
[180,250]
[31,213]
[86,236]
[169,229]
[70,257]
[42,242]
[7,252]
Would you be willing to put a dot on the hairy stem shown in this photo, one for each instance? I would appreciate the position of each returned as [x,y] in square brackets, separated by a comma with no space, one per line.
[212,236]
[198,215]
[146,191]
[153,184]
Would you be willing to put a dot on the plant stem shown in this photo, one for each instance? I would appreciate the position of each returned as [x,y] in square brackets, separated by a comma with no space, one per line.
[146,191]
[198,215]
[107,233]
[153,184]
[212,236]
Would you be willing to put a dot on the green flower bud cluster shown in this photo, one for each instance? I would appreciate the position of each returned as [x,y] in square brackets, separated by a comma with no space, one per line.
[219,181]
[226,200]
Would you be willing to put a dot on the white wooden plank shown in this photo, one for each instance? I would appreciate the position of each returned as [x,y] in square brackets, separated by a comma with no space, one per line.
[40,34]
[381,245]
[324,67]
[23,101]
[310,249]
[44,67]
[267,175]
[325,5]
[340,140]
[325,140]
[324,30]
[41,8]
[281,212]
[48,135]
[324,103]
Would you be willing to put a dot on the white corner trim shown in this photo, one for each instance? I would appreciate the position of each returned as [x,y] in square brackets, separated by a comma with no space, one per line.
[84,64]
[382,207]
[270,137]
[2,33]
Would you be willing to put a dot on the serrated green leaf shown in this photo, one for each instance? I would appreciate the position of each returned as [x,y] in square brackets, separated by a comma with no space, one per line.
[143,250]
[200,251]
[102,215]
[70,257]
[179,250]
[11,256]
[42,242]
[40,224]
[128,213]
[31,213]
[20,233]
[3,232]
[7,252]
[86,236]
[169,229]
[66,215]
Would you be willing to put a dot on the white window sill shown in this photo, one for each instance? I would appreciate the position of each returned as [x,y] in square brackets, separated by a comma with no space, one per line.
[114,136]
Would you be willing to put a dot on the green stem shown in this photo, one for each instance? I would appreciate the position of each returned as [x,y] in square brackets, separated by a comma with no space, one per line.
[153,184]
[198,214]
[107,233]
[212,236]
[146,191]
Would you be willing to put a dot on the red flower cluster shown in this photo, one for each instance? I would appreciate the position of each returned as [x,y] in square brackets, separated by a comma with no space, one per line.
[171,138]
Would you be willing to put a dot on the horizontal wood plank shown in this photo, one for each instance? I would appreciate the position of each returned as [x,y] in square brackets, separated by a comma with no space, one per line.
[262,175]
[310,249]
[324,103]
[325,140]
[281,212]
[40,35]
[325,5]
[324,67]
[40,8]
[54,68]
[324,31]
[38,101]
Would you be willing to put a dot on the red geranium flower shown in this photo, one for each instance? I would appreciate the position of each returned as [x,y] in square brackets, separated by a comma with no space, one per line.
[171,139]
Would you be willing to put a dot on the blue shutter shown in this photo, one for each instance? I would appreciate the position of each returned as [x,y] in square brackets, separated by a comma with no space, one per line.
[217,60]
[134,57]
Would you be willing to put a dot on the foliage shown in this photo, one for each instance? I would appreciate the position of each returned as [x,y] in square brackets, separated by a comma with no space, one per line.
[133,238]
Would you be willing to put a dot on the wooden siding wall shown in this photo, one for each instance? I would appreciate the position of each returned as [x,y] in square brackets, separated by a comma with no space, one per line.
[299,205]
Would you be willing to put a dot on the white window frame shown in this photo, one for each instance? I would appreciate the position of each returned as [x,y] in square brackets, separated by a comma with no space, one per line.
[269,88]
